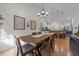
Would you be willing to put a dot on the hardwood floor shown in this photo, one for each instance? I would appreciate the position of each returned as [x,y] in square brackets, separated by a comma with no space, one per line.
[61,49]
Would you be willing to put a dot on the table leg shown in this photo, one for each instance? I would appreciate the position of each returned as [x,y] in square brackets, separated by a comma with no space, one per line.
[38,51]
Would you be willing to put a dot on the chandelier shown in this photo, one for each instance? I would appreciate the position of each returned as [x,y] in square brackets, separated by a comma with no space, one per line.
[43,13]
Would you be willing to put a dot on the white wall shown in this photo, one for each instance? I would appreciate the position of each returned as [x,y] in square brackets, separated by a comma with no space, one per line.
[28,11]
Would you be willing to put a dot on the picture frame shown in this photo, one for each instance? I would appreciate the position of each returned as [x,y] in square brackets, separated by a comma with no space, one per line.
[32,24]
[19,23]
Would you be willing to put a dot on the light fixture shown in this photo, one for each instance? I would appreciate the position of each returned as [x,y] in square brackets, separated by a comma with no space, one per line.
[1,18]
[43,13]
[27,24]
[59,12]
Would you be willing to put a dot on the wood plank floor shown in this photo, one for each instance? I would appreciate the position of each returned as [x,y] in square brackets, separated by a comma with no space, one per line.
[61,49]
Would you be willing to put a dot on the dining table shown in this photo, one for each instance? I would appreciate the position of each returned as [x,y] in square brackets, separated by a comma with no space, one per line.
[36,40]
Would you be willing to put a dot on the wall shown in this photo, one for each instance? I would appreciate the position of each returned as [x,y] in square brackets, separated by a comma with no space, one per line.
[28,11]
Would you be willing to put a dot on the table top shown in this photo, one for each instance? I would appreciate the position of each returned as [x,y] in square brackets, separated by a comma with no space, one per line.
[35,39]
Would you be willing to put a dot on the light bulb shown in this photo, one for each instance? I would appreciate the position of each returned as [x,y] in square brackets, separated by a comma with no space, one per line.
[47,13]
[38,14]
[42,11]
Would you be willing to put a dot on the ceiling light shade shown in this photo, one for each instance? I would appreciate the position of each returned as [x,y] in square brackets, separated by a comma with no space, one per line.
[1,18]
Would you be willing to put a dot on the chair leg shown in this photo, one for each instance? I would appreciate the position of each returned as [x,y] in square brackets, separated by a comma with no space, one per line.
[38,51]
[17,51]
[49,53]
[31,54]
[52,49]
[52,46]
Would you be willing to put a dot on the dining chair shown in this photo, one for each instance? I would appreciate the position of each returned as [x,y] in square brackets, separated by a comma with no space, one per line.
[62,35]
[34,33]
[39,33]
[48,45]
[24,49]
[55,35]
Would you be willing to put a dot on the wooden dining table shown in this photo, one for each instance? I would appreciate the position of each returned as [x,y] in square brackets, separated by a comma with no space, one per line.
[36,40]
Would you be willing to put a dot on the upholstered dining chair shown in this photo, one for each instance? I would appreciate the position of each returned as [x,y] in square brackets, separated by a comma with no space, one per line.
[24,49]
[48,45]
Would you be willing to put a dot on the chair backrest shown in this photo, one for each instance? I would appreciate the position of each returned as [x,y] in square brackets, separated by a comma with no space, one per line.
[39,33]
[51,40]
[34,33]
[19,47]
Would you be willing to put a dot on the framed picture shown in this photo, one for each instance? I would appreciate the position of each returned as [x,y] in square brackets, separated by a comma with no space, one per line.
[19,23]
[33,24]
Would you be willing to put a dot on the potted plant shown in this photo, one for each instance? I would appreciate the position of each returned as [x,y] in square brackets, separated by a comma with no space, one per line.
[77,33]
